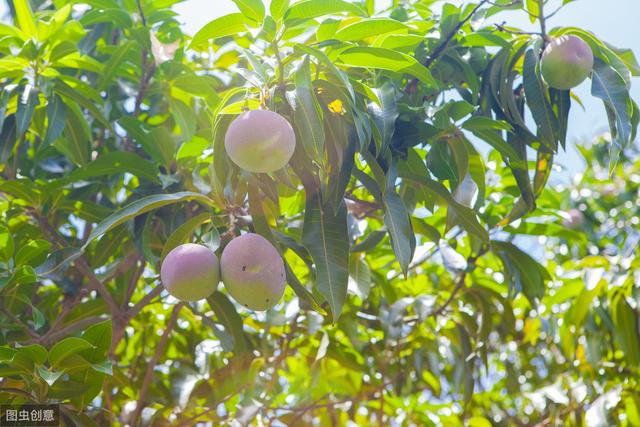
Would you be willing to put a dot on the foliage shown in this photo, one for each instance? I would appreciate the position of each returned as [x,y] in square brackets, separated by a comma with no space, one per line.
[416,293]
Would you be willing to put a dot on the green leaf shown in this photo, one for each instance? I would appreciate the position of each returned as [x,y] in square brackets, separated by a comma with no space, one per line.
[113,64]
[5,94]
[360,274]
[104,367]
[36,315]
[50,377]
[544,164]
[184,117]
[548,229]
[302,292]
[141,206]
[117,162]
[415,164]
[465,215]
[341,142]
[561,103]
[307,113]
[398,222]
[99,336]
[533,8]
[183,233]
[31,251]
[56,119]
[386,59]
[628,57]
[309,9]
[327,62]
[34,352]
[26,104]
[115,16]
[156,143]
[278,8]
[6,244]
[523,273]
[75,145]
[370,27]
[56,261]
[229,317]
[625,320]
[325,236]
[538,101]
[24,17]
[195,85]
[609,86]
[78,97]
[227,25]
[467,360]
[65,348]
[252,9]
[385,114]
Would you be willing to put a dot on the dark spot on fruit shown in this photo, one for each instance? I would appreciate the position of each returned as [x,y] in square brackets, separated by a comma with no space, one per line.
[246,305]
[267,299]
[244,267]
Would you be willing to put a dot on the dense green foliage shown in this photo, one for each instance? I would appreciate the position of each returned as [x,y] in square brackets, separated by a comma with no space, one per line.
[434,278]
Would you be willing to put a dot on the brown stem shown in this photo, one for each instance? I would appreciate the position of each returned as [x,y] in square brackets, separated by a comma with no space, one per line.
[153,362]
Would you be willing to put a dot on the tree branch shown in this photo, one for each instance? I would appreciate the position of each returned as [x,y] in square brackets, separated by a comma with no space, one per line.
[154,361]
[443,307]
[81,263]
[541,18]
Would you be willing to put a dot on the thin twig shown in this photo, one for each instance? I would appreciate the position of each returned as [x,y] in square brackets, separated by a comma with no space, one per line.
[445,305]
[26,327]
[439,50]
[442,46]
[133,311]
[133,281]
[80,324]
[501,27]
[142,17]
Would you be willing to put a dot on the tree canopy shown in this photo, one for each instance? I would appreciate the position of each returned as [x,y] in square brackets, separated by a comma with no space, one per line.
[434,277]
